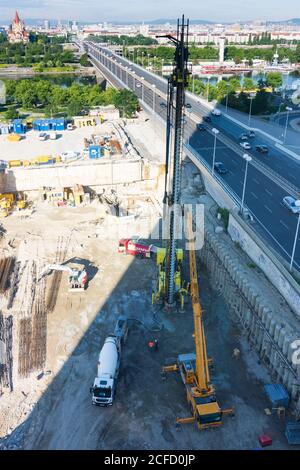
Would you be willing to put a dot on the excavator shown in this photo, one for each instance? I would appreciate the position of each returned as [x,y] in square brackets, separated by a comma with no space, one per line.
[77,278]
[194,367]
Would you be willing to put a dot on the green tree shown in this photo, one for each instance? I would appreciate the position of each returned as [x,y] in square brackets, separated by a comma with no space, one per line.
[84,60]
[274,80]
[127,102]
[11,113]
[248,84]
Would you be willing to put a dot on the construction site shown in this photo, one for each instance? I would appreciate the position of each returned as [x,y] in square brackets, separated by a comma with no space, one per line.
[117,332]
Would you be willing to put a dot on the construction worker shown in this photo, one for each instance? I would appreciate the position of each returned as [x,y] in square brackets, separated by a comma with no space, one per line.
[236,353]
[153,345]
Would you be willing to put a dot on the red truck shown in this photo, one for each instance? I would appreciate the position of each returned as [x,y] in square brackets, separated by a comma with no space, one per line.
[133,247]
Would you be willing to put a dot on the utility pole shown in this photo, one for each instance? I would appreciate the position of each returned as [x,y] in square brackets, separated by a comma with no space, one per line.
[288,109]
[297,204]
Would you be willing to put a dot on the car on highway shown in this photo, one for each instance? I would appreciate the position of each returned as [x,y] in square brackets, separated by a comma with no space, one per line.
[216,112]
[188,105]
[291,203]
[261,148]
[245,145]
[162,105]
[220,168]
[201,127]
[251,134]
[138,85]
[206,118]
[243,137]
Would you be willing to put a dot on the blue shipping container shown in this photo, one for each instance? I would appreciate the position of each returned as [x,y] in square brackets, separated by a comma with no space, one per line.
[49,124]
[18,126]
[277,395]
[292,433]
[95,151]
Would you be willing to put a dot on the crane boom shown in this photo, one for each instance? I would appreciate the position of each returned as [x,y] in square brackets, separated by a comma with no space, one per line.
[202,370]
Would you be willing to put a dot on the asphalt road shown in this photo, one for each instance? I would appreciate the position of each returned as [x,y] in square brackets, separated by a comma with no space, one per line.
[263,196]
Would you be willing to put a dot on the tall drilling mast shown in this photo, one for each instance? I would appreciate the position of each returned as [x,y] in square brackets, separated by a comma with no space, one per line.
[177,81]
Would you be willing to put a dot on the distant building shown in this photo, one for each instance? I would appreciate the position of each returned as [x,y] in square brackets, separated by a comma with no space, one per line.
[144,29]
[46,24]
[17,31]
[221,50]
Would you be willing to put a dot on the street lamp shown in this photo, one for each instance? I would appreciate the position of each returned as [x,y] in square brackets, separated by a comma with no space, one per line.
[248,159]
[189,110]
[297,203]
[142,90]
[287,121]
[193,84]
[251,98]
[153,104]
[215,132]
[208,79]
[227,85]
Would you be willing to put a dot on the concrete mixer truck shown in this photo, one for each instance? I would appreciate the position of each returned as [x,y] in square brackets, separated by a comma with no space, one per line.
[104,388]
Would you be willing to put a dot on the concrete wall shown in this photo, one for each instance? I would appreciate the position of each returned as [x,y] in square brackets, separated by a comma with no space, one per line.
[105,172]
[266,261]
[269,328]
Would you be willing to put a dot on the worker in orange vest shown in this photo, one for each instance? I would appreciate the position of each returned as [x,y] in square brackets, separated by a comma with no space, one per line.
[153,345]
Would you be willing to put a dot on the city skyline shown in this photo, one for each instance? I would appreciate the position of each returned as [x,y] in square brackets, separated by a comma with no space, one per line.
[218,11]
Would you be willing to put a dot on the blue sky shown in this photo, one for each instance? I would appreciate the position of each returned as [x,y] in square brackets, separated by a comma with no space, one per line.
[101,10]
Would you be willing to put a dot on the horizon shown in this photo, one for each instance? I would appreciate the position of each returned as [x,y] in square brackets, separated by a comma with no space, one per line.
[88,11]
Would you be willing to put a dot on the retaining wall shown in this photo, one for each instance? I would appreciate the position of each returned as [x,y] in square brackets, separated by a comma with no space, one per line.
[104,173]
[267,330]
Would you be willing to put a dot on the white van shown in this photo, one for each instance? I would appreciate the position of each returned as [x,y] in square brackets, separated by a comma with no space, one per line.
[216,112]
[52,135]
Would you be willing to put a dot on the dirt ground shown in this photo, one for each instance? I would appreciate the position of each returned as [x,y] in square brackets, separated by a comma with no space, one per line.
[51,408]
[31,147]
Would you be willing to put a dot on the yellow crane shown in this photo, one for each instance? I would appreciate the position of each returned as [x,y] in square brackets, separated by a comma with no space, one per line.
[194,367]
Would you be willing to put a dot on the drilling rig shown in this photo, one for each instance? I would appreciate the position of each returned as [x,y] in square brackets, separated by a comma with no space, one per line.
[194,367]
[170,285]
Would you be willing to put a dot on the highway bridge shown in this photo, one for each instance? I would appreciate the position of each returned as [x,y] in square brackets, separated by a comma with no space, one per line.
[269,178]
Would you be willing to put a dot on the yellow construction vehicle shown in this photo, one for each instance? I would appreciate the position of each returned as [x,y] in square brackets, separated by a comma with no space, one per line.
[194,368]
[6,203]
[161,286]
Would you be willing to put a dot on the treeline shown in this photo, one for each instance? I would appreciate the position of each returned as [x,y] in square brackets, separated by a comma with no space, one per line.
[238,54]
[42,50]
[124,40]
[265,40]
[166,54]
[52,99]
[236,94]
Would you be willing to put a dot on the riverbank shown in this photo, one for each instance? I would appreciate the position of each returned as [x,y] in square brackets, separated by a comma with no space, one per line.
[14,71]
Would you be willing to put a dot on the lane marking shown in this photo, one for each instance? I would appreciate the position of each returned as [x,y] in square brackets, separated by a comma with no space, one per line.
[269,192]
[257,182]
[254,195]
[282,223]
[268,209]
